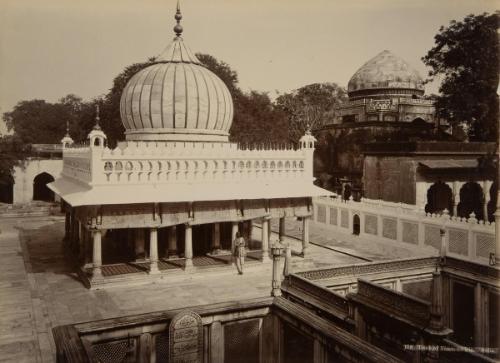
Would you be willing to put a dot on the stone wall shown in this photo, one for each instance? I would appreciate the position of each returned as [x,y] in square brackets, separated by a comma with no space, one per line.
[407,225]
[24,177]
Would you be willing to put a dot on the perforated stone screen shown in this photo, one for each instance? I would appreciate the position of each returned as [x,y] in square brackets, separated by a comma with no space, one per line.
[241,341]
[344,218]
[432,236]
[321,214]
[458,241]
[116,352]
[333,216]
[161,348]
[371,224]
[485,244]
[410,232]
[390,228]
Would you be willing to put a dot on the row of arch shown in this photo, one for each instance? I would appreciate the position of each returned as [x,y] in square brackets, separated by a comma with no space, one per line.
[471,200]
[40,190]
[110,166]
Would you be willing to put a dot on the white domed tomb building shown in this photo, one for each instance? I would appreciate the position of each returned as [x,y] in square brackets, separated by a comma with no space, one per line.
[173,195]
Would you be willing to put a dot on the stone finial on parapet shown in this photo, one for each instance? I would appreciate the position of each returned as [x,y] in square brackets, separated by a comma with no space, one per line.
[96,136]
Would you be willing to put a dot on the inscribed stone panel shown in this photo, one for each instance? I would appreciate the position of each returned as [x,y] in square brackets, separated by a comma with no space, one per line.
[333,216]
[241,341]
[458,241]
[390,228]
[410,232]
[432,237]
[485,244]
[186,338]
[321,213]
[371,224]
[344,218]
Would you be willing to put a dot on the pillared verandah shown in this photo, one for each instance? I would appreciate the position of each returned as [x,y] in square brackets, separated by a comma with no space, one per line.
[174,194]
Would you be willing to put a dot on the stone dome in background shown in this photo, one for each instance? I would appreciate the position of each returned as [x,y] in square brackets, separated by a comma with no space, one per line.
[385,72]
[176,99]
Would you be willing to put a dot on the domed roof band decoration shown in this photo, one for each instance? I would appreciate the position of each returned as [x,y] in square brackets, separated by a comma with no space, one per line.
[176,99]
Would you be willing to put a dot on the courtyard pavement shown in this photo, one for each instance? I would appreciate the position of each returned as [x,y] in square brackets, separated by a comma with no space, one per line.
[39,290]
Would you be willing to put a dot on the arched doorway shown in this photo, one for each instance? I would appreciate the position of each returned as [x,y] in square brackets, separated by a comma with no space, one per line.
[439,198]
[356,225]
[40,189]
[7,190]
[471,200]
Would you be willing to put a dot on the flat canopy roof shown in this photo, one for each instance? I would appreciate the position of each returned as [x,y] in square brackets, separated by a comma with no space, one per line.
[450,164]
[77,194]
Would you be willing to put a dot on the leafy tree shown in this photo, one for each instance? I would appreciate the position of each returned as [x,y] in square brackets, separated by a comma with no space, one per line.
[110,105]
[13,152]
[256,119]
[466,54]
[310,106]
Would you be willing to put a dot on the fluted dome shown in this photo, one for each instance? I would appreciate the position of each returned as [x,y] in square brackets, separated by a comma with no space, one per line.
[385,72]
[176,98]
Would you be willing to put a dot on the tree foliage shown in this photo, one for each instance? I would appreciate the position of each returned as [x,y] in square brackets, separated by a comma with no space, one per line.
[13,152]
[466,55]
[310,106]
[256,119]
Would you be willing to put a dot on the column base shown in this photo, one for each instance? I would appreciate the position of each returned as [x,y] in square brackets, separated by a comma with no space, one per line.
[153,268]
[276,292]
[96,274]
[265,256]
[304,252]
[188,265]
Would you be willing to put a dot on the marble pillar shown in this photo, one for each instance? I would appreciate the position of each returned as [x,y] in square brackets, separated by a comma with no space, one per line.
[216,238]
[188,246]
[281,232]
[96,255]
[153,251]
[305,235]
[265,240]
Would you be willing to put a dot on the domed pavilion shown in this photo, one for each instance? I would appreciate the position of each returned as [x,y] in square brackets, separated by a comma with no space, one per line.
[172,196]
[385,89]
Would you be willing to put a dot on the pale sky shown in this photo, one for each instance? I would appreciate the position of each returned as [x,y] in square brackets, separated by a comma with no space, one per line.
[51,48]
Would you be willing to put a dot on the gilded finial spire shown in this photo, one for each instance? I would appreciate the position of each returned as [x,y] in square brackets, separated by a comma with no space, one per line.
[178,16]
[67,127]
[97,118]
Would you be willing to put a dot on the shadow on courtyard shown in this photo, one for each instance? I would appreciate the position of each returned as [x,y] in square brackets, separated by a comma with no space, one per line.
[43,250]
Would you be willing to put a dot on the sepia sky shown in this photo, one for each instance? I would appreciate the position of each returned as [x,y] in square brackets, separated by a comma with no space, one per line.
[51,48]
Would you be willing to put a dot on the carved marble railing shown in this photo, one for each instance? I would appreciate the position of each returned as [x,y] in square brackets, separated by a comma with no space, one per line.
[77,163]
[405,223]
[369,268]
[392,302]
[171,162]
[327,296]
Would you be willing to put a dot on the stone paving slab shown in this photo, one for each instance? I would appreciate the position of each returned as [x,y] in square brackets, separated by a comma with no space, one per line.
[39,290]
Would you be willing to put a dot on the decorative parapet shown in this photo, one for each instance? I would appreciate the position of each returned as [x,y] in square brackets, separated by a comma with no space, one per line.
[322,293]
[369,268]
[186,162]
[393,303]
[398,222]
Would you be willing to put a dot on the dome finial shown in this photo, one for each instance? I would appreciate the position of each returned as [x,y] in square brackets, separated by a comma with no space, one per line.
[97,118]
[178,16]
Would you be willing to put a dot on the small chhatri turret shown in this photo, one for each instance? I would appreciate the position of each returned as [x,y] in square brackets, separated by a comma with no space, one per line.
[97,137]
[67,140]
